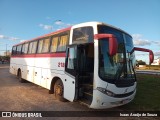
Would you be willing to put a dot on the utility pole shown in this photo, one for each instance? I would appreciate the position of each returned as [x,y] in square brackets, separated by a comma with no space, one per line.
[6,49]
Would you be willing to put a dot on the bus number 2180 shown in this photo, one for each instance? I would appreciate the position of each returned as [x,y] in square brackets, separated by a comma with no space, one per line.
[61,64]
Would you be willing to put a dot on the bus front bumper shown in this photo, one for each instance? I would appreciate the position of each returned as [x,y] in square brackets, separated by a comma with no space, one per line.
[102,101]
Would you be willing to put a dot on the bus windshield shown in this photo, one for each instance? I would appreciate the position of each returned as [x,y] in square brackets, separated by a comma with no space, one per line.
[119,67]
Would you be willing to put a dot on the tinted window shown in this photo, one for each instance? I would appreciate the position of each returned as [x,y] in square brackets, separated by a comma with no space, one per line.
[71,61]
[32,47]
[109,30]
[129,41]
[63,42]
[40,46]
[19,48]
[117,67]
[25,48]
[14,50]
[54,44]
[46,44]
[83,35]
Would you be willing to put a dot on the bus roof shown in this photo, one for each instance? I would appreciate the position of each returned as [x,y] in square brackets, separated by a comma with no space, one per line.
[116,28]
[99,23]
[46,35]
[74,26]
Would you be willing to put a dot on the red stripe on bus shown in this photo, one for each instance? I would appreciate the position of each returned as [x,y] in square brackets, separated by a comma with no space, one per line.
[40,55]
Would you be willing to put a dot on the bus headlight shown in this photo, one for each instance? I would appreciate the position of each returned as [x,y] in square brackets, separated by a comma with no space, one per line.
[105,91]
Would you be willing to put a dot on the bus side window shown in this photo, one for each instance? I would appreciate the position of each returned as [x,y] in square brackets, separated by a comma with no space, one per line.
[19,48]
[46,44]
[25,48]
[14,50]
[64,41]
[54,44]
[40,45]
[32,47]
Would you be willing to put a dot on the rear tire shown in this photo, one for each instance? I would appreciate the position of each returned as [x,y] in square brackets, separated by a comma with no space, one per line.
[20,77]
[59,90]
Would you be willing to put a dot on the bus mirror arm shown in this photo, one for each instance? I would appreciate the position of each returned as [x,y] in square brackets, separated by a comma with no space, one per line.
[151,55]
[113,44]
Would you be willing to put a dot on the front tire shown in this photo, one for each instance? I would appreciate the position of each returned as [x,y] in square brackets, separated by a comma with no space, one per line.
[59,90]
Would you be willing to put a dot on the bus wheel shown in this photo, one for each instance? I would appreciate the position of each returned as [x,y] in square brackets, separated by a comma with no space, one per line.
[58,90]
[20,77]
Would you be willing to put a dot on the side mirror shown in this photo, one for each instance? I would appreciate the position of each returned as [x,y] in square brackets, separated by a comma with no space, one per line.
[113,44]
[151,55]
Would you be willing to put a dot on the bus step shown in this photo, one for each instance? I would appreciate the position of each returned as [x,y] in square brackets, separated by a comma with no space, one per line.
[85,102]
[88,89]
[88,93]
[89,85]
[88,96]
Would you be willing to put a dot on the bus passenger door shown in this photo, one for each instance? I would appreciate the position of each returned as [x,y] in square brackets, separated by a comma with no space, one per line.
[70,73]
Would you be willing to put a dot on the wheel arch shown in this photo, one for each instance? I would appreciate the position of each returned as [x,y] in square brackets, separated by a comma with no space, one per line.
[51,91]
[19,70]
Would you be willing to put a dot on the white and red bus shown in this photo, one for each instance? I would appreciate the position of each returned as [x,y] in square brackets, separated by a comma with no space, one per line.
[92,62]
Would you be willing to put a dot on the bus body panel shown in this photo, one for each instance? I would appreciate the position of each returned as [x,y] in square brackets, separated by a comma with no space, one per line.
[41,71]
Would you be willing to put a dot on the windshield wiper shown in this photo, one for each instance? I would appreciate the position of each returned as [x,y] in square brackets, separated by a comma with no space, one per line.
[119,72]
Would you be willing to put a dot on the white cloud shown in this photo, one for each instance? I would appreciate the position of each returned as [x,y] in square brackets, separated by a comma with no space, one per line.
[141,42]
[46,27]
[140,54]
[58,22]
[137,36]
[157,53]
[13,38]
[138,40]
[68,24]
[3,37]
[23,40]
[156,42]
[9,38]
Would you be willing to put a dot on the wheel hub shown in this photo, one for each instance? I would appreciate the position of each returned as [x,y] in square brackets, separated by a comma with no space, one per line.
[59,90]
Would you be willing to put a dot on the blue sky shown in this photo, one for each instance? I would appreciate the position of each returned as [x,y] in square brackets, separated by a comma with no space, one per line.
[26,19]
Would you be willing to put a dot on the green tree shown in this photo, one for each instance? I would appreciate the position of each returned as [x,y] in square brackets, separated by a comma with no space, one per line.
[141,62]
